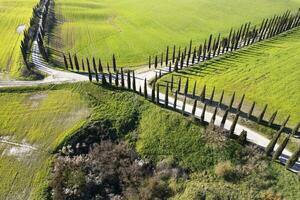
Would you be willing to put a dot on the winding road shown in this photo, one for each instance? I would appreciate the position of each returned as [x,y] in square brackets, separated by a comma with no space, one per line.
[55,76]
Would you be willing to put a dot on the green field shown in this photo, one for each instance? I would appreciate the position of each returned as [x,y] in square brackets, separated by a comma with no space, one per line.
[13,13]
[44,117]
[134,29]
[267,73]
[41,119]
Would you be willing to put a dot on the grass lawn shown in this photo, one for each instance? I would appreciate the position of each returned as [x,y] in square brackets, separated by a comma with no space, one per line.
[13,13]
[267,73]
[135,29]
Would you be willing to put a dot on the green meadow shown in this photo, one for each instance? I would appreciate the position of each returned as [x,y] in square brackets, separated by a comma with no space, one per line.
[134,29]
[267,73]
[13,13]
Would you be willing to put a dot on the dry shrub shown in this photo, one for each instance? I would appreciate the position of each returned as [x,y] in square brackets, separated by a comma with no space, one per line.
[270,195]
[226,170]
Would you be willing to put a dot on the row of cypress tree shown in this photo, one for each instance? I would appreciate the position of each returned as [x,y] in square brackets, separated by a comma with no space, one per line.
[35,28]
[73,63]
[214,46]
[210,99]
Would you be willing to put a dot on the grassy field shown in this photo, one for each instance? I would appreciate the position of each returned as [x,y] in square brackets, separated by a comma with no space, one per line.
[57,112]
[267,73]
[134,29]
[13,14]
[40,119]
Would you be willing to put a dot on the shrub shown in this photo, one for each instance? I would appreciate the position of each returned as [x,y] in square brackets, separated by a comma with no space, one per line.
[225,170]
[270,195]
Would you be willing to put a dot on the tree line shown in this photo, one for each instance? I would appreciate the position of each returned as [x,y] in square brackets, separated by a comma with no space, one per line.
[216,45]
[183,88]
[127,80]
[34,30]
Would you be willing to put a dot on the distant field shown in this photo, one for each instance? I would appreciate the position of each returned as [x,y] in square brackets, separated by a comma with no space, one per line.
[267,73]
[134,29]
[41,119]
[13,13]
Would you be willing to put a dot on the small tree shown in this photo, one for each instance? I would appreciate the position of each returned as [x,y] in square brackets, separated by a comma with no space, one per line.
[232,100]
[242,139]
[212,95]
[282,146]
[117,79]
[251,109]
[194,90]
[172,82]
[95,70]
[293,159]
[122,78]
[145,89]
[104,82]
[183,106]
[174,54]
[186,87]
[100,66]
[175,100]
[149,62]
[272,119]
[202,118]
[224,118]
[71,62]
[133,81]
[241,104]
[221,99]
[76,62]
[110,78]
[82,64]
[179,85]
[89,70]
[261,116]
[153,93]
[194,107]
[202,95]
[114,63]
[167,55]
[157,93]
[233,125]
[66,62]
[128,80]
[167,96]
[271,145]
[155,62]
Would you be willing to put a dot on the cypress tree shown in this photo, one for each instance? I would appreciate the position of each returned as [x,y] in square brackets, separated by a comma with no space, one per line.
[95,70]
[117,79]
[241,104]
[89,70]
[190,48]
[175,100]
[145,89]
[251,109]
[179,85]
[170,67]
[155,62]
[174,52]
[186,87]
[202,118]
[199,53]
[261,116]
[221,99]
[160,75]
[122,78]
[167,55]
[114,63]
[213,118]
[172,82]
[104,82]
[176,65]
[183,106]
[133,81]
[204,51]
[157,93]
[194,107]
[66,62]
[231,101]
[224,118]
[271,145]
[272,119]
[71,62]
[194,90]
[110,78]
[233,125]
[202,95]
[167,96]
[128,80]
[182,61]
[194,56]
[161,59]
[153,93]
[140,90]
[293,159]
[209,43]
[82,64]
[100,66]
[212,95]
[76,62]
[149,62]
[108,68]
